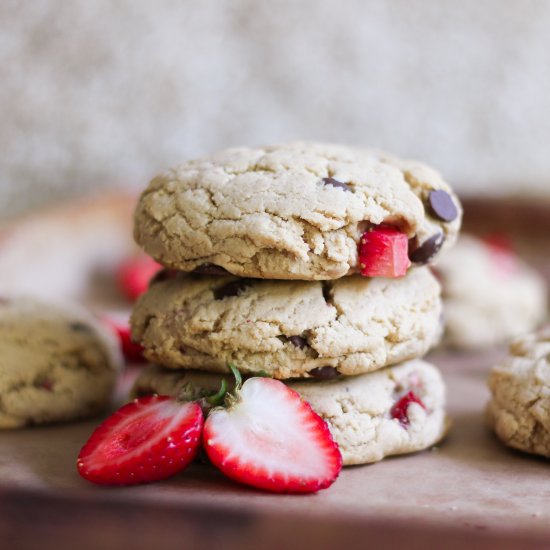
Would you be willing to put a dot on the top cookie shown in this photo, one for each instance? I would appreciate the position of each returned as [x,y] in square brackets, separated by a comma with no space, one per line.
[292,211]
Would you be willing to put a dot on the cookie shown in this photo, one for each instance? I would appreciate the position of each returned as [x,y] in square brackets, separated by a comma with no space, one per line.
[489,294]
[292,211]
[371,416]
[287,329]
[56,363]
[519,410]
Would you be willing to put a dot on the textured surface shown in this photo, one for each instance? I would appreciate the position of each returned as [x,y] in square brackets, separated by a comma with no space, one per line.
[354,324]
[489,295]
[98,91]
[268,213]
[56,363]
[519,410]
[357,409]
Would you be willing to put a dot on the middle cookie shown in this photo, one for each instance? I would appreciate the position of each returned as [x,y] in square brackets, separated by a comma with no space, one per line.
[288,329]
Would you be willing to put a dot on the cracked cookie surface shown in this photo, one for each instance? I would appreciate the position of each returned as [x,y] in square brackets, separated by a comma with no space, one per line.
[358,409]
[489,294]
[293,211]
[56,363]
[288,328]
[519,411]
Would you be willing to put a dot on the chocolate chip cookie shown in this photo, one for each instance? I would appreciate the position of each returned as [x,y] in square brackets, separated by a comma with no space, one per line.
[292,211]
[519,411]
[56,363]
[287,328]
[489,294]
[392,411]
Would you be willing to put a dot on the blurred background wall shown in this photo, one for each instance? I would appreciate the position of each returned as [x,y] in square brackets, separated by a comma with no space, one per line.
[106,92]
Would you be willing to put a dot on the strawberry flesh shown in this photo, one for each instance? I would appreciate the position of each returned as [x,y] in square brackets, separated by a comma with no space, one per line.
[149,439]
[383,252]
[271,439]
[400,410]
[134,275]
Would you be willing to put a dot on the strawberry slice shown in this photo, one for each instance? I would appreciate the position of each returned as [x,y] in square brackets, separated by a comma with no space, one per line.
[383,252]
[268,437]
[134,274]
[132,352]
[400,410]
[149,439]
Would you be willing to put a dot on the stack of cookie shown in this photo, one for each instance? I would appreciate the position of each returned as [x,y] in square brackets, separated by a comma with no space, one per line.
[304,262]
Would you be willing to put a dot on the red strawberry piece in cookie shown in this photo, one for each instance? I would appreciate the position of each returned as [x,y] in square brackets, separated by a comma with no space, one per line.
[503,253]
[383,252]
[400,410]
[149,439]
[270,438]
[134,275]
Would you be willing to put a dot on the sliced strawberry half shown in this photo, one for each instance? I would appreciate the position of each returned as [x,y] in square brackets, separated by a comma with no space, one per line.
[134,274]
[400,410]
[268,437]
[383,252]
[149,439]
[132,352]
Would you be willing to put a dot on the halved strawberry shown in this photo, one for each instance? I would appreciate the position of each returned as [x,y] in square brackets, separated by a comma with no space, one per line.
[383,252]
[149,439]
[132,352]
[134,274]
[400,410]
[268,437]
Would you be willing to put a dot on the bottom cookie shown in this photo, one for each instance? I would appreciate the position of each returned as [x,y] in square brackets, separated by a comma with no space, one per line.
[392,411]
[519,411]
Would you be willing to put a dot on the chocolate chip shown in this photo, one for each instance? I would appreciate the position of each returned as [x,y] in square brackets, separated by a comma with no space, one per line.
[77,326]
[327,292]
[336,183]
[4,301]
[231,289]
[428,249]
[210,269]
[325,373]
[163,275]
[441,205]
[298,341]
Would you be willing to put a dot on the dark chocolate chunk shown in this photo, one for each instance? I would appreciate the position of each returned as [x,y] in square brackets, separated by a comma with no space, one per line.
[231,289]
[163,275]
[77,326]
[325,373]
[210,269]
[327,292]
[298,341]
[336,183]
[428,249]
[441,205]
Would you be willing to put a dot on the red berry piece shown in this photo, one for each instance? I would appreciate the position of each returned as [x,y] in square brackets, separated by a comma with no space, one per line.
[149,439]
[502,253]
[400,409]
[269,438]
[134,275]
[383,252]
[132,352]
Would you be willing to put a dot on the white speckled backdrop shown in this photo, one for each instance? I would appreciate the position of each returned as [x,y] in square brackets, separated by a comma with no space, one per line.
[107,92]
